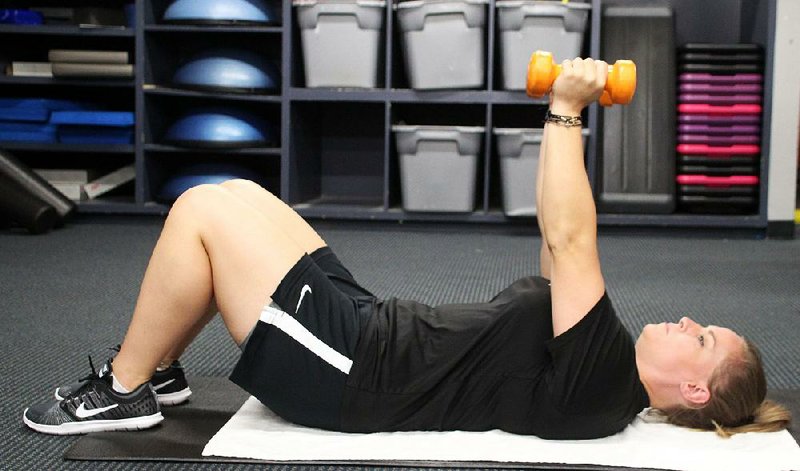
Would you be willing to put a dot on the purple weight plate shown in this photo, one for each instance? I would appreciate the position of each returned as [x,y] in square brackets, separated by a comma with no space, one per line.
[725,120]
[714,89]
[718,99]
[718,140]
[720,79]
[736,129]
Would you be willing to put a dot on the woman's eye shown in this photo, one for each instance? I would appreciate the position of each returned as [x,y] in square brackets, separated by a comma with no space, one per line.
[702,341]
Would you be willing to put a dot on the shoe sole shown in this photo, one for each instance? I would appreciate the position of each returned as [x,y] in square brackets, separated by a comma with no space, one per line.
[76,428]
[173,399]
[169,399]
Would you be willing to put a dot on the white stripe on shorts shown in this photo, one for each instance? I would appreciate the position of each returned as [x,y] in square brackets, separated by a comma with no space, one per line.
[294,329]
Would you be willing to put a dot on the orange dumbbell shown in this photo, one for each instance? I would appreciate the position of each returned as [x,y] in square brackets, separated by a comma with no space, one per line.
[620,87]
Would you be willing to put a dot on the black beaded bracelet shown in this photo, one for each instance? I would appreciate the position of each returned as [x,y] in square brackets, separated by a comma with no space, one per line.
[566,121]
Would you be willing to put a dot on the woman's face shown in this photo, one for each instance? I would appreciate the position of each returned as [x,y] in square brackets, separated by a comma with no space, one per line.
[685,351]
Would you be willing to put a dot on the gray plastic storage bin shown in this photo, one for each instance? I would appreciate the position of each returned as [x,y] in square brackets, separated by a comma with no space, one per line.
[443,42]
[518,150]
[438,166]
[526,26]
[340,41]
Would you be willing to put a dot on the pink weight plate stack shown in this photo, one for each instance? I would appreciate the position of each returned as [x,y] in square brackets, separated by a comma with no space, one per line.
[720,89]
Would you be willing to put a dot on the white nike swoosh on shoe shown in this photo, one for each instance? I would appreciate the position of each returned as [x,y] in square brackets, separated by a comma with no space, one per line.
[82,412]
[162,385]
[303,291]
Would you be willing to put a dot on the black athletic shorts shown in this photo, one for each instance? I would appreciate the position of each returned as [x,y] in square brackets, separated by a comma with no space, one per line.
[297,358]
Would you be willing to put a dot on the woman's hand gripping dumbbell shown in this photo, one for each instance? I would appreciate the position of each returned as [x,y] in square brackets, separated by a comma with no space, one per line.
[619,89]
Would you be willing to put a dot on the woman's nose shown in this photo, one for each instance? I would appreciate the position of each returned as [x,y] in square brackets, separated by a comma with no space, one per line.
[685,323]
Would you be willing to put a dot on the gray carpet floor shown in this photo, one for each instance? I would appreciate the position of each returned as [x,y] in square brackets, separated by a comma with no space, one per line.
[70,293]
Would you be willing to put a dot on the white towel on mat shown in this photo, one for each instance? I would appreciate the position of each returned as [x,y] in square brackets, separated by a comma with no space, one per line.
[256,432]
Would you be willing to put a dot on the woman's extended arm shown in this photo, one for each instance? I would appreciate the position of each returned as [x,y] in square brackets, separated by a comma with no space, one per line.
[568,216]
[544,251]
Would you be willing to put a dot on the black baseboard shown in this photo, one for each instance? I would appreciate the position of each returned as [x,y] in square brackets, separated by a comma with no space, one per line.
[780,229]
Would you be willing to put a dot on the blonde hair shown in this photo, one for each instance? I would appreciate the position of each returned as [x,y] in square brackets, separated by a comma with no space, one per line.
[738,389]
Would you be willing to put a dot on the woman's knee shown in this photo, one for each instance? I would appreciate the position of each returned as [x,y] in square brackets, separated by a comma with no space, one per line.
[241,185]
[200,199]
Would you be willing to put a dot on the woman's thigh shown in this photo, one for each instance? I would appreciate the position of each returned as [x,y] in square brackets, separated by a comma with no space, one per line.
[249,257]
[283,216]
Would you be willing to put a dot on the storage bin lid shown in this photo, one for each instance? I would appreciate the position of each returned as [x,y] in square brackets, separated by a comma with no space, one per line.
[419,3]
[512,13]
[532,131]
[510,141]
[361,3]
[414,14]
[466,138]
[368,14]
[516,131]
[542,4]
[638,10]
[427,127]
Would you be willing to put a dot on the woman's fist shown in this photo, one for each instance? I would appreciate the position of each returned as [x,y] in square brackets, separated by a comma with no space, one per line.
[581,82]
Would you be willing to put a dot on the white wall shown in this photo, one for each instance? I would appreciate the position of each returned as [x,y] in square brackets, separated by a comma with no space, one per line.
[785,113]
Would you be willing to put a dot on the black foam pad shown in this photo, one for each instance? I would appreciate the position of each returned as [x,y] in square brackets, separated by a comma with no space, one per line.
[20,207]
[26,178]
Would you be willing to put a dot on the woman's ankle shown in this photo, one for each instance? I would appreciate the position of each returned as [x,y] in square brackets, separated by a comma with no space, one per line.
[123,379]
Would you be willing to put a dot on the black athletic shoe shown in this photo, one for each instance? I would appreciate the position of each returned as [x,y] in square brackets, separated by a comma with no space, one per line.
[96,407]
[170,385]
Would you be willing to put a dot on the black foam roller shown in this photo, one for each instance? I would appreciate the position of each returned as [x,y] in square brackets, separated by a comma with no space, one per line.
[11,167]
[19,206]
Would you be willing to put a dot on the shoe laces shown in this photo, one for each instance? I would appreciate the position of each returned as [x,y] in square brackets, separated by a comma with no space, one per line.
[93,375]
[88,381]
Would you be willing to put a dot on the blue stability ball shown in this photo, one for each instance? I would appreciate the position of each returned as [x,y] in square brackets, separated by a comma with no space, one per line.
[228,70]
[219,128]
[199,174]
[220,12]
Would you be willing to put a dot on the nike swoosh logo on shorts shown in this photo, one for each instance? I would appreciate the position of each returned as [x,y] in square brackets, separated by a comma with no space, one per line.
[303,291]
[165,383]
[82,412]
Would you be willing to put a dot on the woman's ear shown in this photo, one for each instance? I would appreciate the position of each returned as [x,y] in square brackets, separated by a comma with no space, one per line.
[696,395]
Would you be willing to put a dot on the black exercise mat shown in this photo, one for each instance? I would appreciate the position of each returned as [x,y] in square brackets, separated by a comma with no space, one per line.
[187,428]
[180,437]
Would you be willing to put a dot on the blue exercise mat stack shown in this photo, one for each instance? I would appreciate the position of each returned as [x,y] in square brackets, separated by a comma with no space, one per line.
[48,120]
[719,127]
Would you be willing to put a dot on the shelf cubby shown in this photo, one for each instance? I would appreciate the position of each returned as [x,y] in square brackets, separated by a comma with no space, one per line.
[163,110]
[154,10]
[337,153]
[163,163]
[165,52]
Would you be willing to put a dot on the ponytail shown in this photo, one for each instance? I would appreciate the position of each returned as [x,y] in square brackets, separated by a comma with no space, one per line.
[738,389]
[769,417]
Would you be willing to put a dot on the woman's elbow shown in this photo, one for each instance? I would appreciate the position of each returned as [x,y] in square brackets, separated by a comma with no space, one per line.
[570,242]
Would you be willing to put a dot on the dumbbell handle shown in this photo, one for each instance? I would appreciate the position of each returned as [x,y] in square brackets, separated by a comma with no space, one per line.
[619,89]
